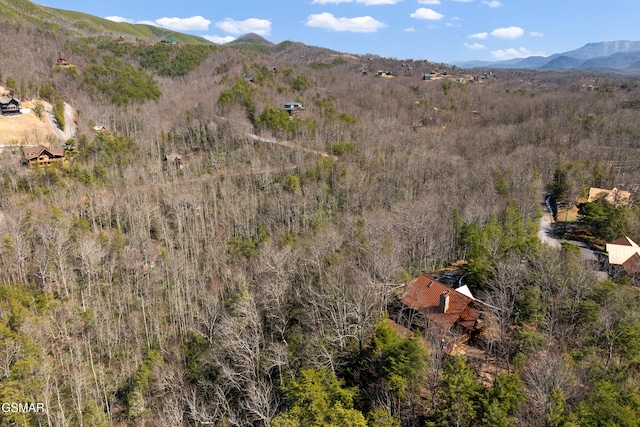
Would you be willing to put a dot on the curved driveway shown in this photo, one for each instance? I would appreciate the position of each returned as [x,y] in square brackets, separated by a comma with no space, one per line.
[69,128]
[544,234]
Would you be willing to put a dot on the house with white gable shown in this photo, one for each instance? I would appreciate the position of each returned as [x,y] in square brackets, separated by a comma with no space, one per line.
[626,253]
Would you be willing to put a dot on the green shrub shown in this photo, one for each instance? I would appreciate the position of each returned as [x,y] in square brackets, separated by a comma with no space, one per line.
[140,383]
[194,348]
[531,341]
[120,82]
[276,119]
[107,150]
[239,94]
[172,61]
[292,184]
[341,148]
[300,84]
[58,113]
[245,246]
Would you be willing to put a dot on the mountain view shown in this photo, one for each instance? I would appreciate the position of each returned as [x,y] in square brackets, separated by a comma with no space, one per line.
[285,235]
[620,56]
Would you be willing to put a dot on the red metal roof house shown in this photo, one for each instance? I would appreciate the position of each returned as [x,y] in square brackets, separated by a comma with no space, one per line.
[429,302]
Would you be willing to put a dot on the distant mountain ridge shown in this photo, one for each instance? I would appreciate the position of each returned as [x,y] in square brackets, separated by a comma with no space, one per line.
[83,24]
[622,56]
[596,50]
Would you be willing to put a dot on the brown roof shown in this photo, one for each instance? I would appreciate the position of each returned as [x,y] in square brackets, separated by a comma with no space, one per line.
[8,100]
[632,265]
[35,152]
[623,241]
[424,296]
[613,196]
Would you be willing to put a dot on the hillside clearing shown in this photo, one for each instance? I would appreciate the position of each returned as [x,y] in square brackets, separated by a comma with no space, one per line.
[25,129]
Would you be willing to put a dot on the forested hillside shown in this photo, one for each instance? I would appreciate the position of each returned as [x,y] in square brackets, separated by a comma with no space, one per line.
[251,284]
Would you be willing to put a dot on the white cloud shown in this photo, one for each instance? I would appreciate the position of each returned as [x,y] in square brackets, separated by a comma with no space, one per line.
[153,24]
[130,21]
[464,1]
[454,22]
[410,30]
[511,53]
[360,24]
[119,19]
[261,27]
[195,23]
[428,14]
[507,33]
[506,54]
[492,3]
[475,46]
[377,2]
[536,34]
[431,2]
[219,39]
[480,36]
[365,2]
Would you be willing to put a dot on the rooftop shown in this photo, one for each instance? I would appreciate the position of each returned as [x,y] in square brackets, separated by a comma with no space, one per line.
[424,295]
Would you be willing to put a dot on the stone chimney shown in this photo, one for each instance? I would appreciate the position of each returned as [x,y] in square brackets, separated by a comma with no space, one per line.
[444,302]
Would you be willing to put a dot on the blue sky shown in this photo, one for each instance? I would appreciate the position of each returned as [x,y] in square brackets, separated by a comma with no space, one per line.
[436,30]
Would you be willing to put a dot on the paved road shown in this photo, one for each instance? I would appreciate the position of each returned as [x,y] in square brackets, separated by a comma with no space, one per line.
[69,122]
[544,234]
[53,124]
[69,127]
[544,231]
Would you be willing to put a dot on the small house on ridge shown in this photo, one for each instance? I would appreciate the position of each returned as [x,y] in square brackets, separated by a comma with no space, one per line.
[294,109]
[42,156]
[9,105]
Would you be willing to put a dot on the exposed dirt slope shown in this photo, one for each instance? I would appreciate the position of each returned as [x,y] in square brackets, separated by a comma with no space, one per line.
[24,128]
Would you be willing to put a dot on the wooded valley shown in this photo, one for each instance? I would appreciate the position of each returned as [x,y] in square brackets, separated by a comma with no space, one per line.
[253,283]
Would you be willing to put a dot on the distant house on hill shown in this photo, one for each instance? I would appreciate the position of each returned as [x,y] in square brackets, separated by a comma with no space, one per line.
[295,109]
[9,105]
[615,196]
[625,253]
[168,41]
[42,156]
[427,302]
